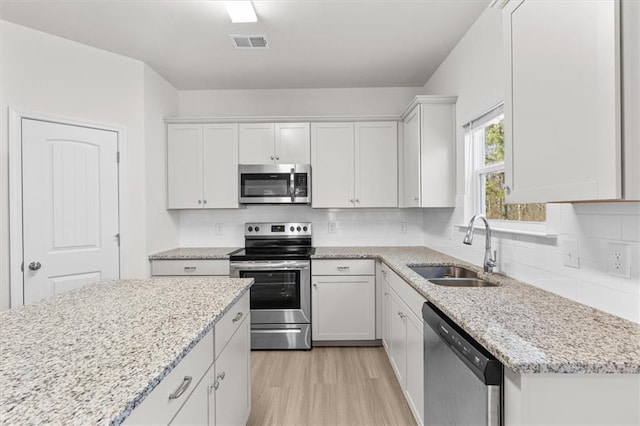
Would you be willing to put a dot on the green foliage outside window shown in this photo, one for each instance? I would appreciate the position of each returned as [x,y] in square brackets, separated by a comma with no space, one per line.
[495,206]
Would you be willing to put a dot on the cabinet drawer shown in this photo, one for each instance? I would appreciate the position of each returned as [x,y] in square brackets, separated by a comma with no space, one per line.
[229,323]
[157,407]
[343,267]
[190,267]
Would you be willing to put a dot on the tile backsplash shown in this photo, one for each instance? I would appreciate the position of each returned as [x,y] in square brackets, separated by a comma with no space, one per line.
[353,227]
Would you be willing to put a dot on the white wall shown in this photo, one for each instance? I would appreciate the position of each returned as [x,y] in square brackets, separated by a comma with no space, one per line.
[47,74]
[160,101]
[296,102]
[354,227]
[474,72]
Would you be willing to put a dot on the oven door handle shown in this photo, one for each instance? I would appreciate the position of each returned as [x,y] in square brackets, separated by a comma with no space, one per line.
[270,266]
[292,185]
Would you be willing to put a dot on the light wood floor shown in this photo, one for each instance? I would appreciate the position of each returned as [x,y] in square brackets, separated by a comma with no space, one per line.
[326,386]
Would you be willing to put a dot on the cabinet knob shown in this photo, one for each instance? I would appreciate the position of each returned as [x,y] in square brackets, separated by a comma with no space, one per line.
[204,201]
[277,157]
[272,157]
[416,199]
[351,200]
[357,200]
[507,189]
[199,201]
[221,376]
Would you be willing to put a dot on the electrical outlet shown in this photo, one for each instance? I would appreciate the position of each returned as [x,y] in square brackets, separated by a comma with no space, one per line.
[219,229]
[332,227]
[570,253]
[403,227]
[618,260]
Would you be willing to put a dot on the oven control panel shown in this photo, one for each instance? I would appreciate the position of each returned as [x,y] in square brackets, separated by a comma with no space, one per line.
[273,230]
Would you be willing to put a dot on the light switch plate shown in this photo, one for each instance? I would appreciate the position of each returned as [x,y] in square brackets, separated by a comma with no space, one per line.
[570,253]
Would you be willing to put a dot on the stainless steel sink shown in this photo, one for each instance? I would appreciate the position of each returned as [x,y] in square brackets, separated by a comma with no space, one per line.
[443,271]
[462,282]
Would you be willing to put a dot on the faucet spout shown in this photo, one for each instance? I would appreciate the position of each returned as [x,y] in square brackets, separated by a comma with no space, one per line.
[489,259]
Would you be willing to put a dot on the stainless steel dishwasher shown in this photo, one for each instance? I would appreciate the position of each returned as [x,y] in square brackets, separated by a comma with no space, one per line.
[462,380]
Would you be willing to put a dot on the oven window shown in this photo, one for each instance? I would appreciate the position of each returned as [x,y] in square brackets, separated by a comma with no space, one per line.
[265,185]
[274,289]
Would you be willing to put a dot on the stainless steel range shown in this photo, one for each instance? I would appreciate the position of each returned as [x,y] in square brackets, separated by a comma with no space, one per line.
[278,257]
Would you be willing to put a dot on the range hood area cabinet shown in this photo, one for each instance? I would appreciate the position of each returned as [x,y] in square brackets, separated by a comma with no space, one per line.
[199,158]
[274,143]
[428,153]
[354,165]
[564,103]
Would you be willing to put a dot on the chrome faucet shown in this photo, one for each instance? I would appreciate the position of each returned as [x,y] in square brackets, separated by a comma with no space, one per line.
[489,261]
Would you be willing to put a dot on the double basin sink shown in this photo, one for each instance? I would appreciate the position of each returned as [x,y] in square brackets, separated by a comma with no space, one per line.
[451,276]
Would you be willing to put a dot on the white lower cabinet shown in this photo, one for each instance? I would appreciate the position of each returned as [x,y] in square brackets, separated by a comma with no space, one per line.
[334,315]
[203,389]
[403,327]
[232,386]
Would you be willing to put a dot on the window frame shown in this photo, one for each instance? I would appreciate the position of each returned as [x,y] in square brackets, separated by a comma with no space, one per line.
[475,199]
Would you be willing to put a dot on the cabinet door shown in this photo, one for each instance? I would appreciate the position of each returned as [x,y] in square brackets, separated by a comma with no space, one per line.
[220,166]
[335,316]
[195,410]
[415,367]
[438,162]
[293,144]
[233,393]
[562,103]
[386,316]
[411,159]
[256,143]
[376,164]
[332,162]
[184,166]
[398,339]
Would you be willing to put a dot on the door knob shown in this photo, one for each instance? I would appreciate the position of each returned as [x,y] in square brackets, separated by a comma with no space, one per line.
[34,266]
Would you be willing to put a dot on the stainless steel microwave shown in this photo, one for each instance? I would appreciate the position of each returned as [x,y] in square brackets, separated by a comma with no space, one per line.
[274,184]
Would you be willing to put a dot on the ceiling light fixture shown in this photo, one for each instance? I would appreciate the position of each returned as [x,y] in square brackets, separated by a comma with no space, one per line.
[241,11]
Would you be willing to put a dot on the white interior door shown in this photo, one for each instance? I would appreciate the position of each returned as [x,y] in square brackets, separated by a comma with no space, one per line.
[70,207]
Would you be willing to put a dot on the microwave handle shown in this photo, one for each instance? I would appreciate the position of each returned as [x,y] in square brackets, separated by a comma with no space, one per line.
[292,184]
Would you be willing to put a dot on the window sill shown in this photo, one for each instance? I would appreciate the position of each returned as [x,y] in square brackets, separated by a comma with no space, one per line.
[540,233]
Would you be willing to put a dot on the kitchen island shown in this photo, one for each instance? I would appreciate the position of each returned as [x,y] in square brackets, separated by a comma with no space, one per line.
[92,355]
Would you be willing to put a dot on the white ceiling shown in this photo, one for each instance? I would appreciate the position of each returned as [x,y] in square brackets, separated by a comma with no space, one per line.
[313,43]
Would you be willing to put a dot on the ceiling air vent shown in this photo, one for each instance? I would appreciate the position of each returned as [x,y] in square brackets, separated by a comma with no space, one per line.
[249,41]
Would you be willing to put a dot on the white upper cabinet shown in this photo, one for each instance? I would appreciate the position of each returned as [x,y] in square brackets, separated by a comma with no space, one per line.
[376,168]
[332,162]
[428,175]
[354,164]
[292,143]
[563,104]
[202,166]
[280,143]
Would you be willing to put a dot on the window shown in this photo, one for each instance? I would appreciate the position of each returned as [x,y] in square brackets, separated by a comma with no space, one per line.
[484,140]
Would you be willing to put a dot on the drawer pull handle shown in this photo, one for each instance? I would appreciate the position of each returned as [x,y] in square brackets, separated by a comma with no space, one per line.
[183,387]
[343,268]
[190,268]
[237,317]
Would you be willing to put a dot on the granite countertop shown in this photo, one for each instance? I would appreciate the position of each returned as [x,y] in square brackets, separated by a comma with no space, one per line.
[91,355]
[529,329]
[204,253]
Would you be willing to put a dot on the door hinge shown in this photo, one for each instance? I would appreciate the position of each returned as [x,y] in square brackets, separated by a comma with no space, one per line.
[117,236]
[118,157]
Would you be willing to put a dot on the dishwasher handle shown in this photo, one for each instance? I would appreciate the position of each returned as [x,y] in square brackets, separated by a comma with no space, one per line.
[484,365]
